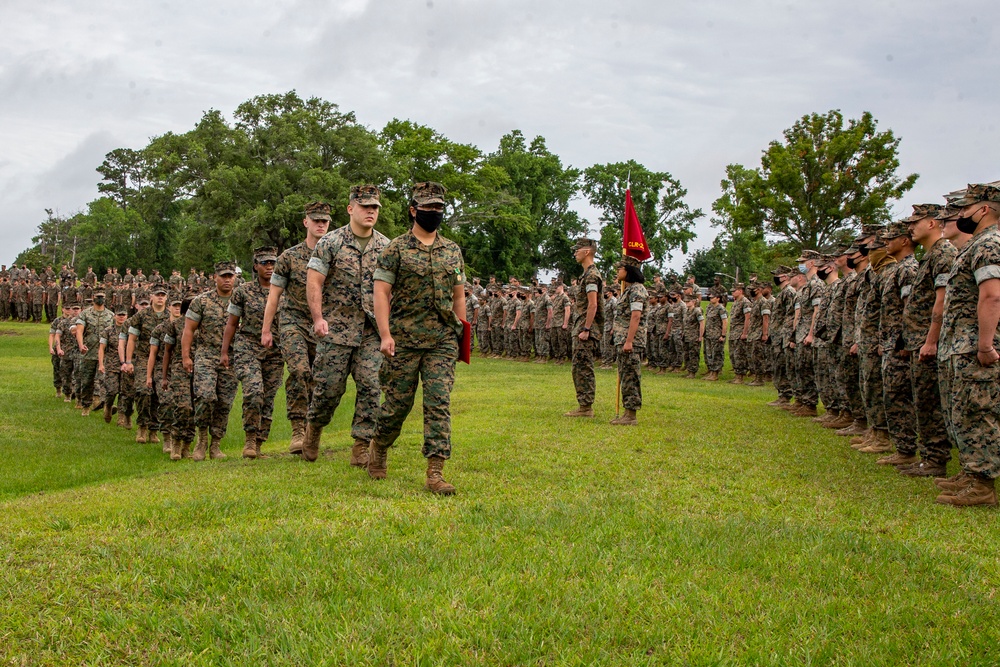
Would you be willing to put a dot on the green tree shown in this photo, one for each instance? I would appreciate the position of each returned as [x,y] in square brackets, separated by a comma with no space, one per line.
[667,221]
[823,177]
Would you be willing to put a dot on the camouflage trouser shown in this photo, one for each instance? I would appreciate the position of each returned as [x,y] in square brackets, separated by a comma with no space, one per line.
[117,384]
[88,374]
[933,436]
[433,369]
[36,312]
[826,362]
[55,371]
[759,361]
[692,356]
[560,342]
[971,400]
[214,392]
[66,379]
[22,311]
[871,388]
[609,352]
[513,345]
[299,351]
[805,375]
[497,342]
[4,310]
[739,353]
[542,342]
[525,339]
[679,351]
[333,364]
[259,370]
[630,374]
[715,354]
[50,312]
[483,334]
[849,379]
[780,366]
[147,400]
[897,397]
[584,354]
[181,426]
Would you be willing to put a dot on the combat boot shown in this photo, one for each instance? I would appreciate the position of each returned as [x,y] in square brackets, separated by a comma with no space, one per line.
[378,461]
[85,412]
[298,435]
[128,423]
[880,443]
[864,439]
[142,435]
[582,411]
[121,420]
[758,382]
[185,449]
[843,420]
[435,482]
[78,405]
[778,402]
[201,447]
[175,449]
[359,454]
[691,375]
[898,459]
[627,419]
[250,446]
[152,437]
[712,376]
[924,468]
[310,443]
[166,442]
[857,427]
[979,491]
[954,483]
[58,393]
[96,404]
[827,416]
[805,411]
[107,414]
[215,449]
[737,380]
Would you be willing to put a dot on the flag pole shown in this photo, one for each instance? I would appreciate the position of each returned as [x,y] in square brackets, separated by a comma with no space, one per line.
[621,293]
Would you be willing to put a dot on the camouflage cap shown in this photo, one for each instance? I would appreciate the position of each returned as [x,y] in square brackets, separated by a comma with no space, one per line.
[99,292]
[781,270]
[584,243]
[143,301]
[921,211]
[868,230]
[895,230]
[853,250]
[628,260]
[158,289]
[428,192]
[121,310]
[265,253]
[224,267]
[175,299]
[740,286]
[948,212]
[318,210]
[366,195]
[809,255]
[977,192]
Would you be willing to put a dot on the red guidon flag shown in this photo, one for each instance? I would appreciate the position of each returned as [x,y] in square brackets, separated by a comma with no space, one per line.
[633,240]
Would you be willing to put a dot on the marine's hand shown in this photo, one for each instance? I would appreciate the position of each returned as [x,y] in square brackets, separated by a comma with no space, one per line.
[388,347]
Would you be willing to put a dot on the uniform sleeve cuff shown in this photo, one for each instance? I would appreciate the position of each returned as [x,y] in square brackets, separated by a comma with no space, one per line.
[941,280]
[987,273]
[169,340]
[318,265]
[233,309]
[385,276]
[591,287]
[133,331]
[636,305]
[278,281]
[194,317]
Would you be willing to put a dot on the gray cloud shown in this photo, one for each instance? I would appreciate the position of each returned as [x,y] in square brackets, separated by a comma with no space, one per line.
[681,87]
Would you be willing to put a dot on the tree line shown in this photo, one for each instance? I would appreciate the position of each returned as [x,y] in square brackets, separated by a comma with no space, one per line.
[229,185]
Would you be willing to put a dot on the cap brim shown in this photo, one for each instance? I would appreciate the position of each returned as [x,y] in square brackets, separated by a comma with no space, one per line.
[432,200]
[225,272]
[319,216]
[369,202]
[269,258]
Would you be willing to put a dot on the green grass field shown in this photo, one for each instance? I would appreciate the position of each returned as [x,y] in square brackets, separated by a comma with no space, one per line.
[719,531]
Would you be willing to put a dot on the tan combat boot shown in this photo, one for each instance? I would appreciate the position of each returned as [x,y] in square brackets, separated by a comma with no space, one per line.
[863,438]
[310,443]
[737,380]
[880,443]
[627,419]
[378,461]
[953,483]
[435,482]
[978,491]
[805,411]
[257,446]
[843,420]
[185,449]
[897,459]
[175,449]
[107,414]
[778,402]
[857,427]
[152,437]
[758,382]
[128,423]
[215,449]
[201,447]
[85,412]
[250,446]
[142,435]
[582,411]
[359,454]
[167,441]
[121,421]
[298,435]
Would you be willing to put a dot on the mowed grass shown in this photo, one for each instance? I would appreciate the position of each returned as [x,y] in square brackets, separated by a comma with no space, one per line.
[719,531]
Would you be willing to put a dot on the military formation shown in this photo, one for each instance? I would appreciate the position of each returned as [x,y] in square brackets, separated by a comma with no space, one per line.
[900,353]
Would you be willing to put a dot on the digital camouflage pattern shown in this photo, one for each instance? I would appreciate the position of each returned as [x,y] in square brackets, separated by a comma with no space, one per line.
[181,423]
[214,386]
[259,369]
[141,325]
[932,274]
[634,298]
[715,348]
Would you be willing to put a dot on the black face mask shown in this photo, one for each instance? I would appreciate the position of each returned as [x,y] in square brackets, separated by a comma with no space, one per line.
[851,264]
[777,281]
[429,221]
[823,275]
[98,300]
[863,250]
[966,225]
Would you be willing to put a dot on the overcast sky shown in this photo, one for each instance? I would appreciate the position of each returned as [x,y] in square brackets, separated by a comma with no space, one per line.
[682,87]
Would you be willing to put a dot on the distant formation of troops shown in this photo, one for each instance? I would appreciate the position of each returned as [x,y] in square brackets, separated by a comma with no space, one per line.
[901,353]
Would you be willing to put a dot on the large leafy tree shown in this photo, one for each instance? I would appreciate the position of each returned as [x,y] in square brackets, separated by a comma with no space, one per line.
[823,177]
[667,221]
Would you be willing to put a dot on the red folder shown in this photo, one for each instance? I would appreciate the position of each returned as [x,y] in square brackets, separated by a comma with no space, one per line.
[465,351]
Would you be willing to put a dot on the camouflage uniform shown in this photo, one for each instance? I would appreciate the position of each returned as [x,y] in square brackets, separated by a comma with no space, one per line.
[561,344]
[739,349]
[542,334]
[147,402]
[932,274]
[214,386]
[585,352]
[675,342]
[897,390]
[259,369]
[849,371]
[181,424]
[715,349]
[970,392]
[867,338]
[780,327]
[512,344]
[829,351]
[297,339]
[352,344]
[483,326]
[760,357]
[472,305]
[94,323]
[525,335]
[113,386]
[37,294]
[51,301]
[808,297]
[166,411]
[427,334]
[634,298]
[692,334]
[498,336]
[608,347]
